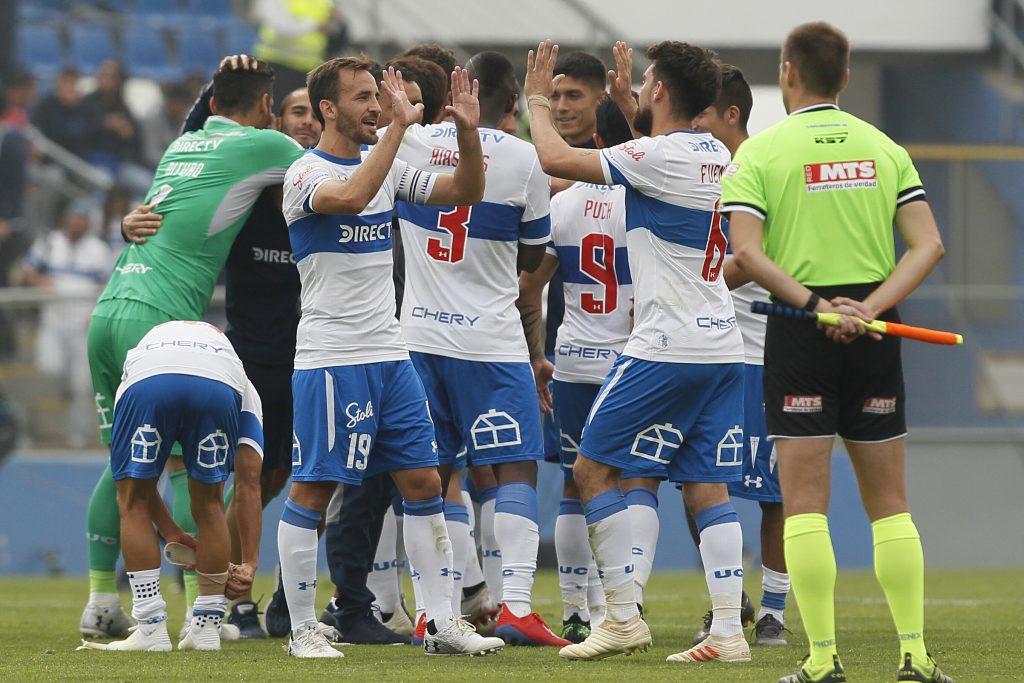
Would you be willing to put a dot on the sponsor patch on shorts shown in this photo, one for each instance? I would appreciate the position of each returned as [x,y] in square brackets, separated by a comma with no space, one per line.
[802,404]
[880,405]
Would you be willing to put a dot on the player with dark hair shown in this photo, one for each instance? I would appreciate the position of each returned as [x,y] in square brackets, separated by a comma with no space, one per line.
[205,188]
[432,81]
[474,364]
[812,204]
[726,119]
[351,356]
[575,98]
[444,57]
[674,396]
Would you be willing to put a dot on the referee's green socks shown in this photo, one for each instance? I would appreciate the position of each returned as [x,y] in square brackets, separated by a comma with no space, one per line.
[899,567]
[812,571]
[103,530]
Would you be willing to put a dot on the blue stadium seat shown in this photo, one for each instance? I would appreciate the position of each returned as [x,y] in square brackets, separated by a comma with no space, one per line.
[146,56]
[200,52]
[218,10]
[159,13]
[41,50]
[90,45]
[239,38]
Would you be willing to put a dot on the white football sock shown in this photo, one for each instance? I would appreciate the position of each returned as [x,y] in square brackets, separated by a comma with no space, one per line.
[721,551]
[383,577]
[148,606]
[297,546]
[515,528]
[489,551]
[457,519]
[610,532]
[643,514]
[474,573]
[595,595]
[104,599]
[430,552]
[574,558]
[208,609]
[774,588]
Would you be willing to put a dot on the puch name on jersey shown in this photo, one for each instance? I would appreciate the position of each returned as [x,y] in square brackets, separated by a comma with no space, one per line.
[365,233]
[840,175]
[444,316]
[272,255]
[133,268]
[182,145]
[572,351]
[598,209]
[184,343]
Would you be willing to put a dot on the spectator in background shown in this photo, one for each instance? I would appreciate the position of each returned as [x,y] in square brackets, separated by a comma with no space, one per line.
[293,38]
[164,126]
[14,235]
[113,139]
[19,94]
[74,265]
[118,204]
[61,116]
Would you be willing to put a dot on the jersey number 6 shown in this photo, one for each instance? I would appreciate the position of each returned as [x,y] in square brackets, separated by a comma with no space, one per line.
[453,222]
[714,254]
[601,272]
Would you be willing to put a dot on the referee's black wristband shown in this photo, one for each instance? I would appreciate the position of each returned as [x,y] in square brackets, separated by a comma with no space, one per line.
[812,303]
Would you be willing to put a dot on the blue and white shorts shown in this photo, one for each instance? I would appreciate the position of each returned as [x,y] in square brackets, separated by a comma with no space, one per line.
[355,421]
[201,414]
[760,471]
[685,416]
[573,401]
[490,408]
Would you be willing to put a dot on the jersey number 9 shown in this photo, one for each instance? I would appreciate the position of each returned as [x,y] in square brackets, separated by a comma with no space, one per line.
[454,222]
[601,272]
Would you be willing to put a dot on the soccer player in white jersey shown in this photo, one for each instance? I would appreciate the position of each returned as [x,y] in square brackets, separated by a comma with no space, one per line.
[360,408]
[675,396]
[588,250]
[727,120]
[463,329]
[182,383]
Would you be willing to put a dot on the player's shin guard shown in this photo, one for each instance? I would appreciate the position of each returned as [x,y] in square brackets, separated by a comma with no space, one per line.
[430,554]
[812,569]
[518,536]
[103,531]
[297,546]
[574,558]
[474,572]
[148,604]
[457,519]
[721,551]
[899,567]
[489,551]
[383,577]
[643,513]
[610,532]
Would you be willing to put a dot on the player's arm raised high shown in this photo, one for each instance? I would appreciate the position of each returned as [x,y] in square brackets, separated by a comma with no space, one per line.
[466,184]
[557,158]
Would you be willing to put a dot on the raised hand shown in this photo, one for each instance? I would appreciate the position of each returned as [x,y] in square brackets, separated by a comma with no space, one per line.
[540,67]
[620,80]
[465,106]
[404,113]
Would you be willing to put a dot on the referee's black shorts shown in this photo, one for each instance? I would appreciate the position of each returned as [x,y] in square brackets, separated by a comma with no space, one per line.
[274,385]
[814,387]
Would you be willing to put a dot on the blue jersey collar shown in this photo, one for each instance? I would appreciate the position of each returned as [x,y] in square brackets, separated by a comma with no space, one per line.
[336,160]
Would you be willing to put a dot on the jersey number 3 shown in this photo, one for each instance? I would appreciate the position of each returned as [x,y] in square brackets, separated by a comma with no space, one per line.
[455,223]
[714,254]
[601,272]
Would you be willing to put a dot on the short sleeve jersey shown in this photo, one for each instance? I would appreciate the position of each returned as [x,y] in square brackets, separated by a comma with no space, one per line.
[345,264]
[588,237]
[205,188]
[827,186]
[200,350]
[460,261]
[676,246]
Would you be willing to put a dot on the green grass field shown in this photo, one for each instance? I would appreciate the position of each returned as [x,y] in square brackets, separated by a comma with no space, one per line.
[973,629]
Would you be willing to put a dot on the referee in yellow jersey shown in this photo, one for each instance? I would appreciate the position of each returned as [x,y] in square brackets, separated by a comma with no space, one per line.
[812,202]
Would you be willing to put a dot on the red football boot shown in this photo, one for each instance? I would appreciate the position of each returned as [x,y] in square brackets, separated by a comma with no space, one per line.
[528,630]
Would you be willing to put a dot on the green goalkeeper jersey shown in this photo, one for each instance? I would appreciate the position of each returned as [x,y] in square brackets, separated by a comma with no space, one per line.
[205,188]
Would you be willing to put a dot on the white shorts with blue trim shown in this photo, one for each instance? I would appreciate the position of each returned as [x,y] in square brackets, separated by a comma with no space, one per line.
[687,417]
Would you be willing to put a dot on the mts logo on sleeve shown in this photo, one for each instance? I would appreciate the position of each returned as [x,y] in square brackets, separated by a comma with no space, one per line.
[802,404]
[840,175]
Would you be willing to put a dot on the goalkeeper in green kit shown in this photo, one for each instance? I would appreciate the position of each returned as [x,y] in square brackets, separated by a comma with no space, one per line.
[204,189]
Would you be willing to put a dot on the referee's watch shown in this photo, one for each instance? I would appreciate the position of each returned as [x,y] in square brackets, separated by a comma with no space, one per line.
[812,303]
